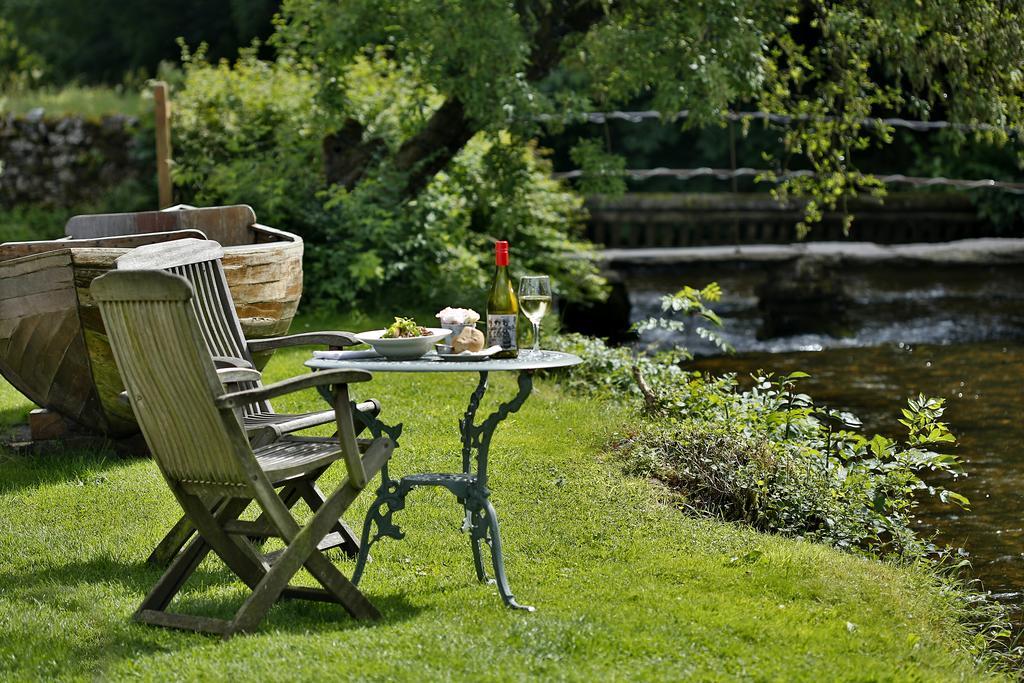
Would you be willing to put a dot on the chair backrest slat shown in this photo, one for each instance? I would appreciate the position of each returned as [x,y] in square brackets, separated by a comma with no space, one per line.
[199,263]
[170,377]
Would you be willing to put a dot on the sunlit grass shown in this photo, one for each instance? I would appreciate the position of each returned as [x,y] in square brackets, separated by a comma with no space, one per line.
[88,101]
[626,586]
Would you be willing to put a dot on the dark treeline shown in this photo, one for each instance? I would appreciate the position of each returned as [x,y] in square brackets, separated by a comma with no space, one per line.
[100,41]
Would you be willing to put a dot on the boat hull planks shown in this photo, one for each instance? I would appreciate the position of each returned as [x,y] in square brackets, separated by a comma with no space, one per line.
[53,347]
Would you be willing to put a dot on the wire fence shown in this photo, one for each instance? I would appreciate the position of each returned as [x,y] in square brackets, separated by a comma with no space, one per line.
[783,119]
[767,175]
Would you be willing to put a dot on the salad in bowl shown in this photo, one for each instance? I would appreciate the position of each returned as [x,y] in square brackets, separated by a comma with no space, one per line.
[403,339]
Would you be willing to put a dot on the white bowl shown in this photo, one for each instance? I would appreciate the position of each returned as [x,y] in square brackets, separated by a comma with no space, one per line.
[403,348]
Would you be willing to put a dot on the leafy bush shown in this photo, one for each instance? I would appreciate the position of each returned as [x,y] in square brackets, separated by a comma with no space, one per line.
[771,458]
[768,455]
[43,222]
[252,132]
[102,41]
[20,67]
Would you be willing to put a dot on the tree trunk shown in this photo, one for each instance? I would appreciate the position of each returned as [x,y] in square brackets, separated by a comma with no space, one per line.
[348,158]
[430,150]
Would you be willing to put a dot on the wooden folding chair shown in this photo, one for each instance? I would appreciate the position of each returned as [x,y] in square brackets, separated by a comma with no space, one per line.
[193,427]
[199,262]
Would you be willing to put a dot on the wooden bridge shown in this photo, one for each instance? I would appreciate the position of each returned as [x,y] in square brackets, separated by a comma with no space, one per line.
[636,221]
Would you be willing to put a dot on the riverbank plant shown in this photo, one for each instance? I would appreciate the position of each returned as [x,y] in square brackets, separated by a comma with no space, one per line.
[767,454]
[762,453]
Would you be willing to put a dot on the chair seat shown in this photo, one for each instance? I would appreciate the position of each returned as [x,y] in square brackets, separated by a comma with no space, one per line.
[292,455]
[294,421]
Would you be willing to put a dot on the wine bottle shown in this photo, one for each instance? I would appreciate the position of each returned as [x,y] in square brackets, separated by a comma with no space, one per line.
[502,307]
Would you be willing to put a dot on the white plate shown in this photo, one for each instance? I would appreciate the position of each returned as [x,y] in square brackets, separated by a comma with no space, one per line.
[402,348]
[482,354]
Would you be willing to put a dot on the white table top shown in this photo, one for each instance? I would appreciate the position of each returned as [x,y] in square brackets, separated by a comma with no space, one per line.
[369,360]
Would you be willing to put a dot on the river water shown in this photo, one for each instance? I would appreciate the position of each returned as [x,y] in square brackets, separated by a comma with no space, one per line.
[957,333]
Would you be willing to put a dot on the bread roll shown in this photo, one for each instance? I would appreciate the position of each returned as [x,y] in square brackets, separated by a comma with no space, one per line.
[470,339]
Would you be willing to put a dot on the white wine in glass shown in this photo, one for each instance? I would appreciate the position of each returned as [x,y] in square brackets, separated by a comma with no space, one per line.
[534,302]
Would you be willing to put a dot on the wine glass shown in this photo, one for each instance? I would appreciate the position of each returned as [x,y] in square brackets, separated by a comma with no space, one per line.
[534,301]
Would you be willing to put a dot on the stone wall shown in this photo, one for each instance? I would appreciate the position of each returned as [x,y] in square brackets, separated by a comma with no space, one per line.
[61,161]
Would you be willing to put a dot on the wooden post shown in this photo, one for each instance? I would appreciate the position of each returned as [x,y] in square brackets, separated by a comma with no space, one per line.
[162,115]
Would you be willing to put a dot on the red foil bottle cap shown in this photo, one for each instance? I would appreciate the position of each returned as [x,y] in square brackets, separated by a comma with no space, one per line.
[501,253]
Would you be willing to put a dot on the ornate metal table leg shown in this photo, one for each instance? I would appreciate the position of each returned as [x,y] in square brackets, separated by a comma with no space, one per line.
[481,519]
[469,487]
[390,493]
[494,540]
[474,522]
[471,521]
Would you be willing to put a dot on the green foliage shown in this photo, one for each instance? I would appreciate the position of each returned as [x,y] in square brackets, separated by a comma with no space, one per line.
[602,170]
[829,65]
[249,133]
[20,67]
[252,132]
[768,455]
[475,51]
[26,222]
[691,303]
[108,41]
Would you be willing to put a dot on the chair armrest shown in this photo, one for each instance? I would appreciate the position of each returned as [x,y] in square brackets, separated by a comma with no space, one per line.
[227,375]
[303,339]
[231,362]
[238,399]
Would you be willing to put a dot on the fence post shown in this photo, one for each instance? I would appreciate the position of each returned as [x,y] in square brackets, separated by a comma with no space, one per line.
[162,116]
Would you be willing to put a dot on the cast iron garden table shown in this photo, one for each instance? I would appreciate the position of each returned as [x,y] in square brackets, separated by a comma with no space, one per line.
[470,485]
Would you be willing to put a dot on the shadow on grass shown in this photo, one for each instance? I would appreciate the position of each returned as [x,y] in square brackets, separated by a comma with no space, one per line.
[75,592]
[29,470]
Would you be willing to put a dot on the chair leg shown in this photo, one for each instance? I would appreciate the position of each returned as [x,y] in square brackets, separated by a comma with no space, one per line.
[185,563]
[302,551]
[306,489]
[291,493]
[314,498]
[177,537]
[182,567]
[335,583]
[236,554]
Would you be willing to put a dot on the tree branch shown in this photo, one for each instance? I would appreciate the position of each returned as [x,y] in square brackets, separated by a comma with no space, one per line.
[430,150]
[347,157]
[651,400]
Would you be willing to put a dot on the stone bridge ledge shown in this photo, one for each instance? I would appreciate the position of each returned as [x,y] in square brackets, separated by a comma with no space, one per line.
[979,251]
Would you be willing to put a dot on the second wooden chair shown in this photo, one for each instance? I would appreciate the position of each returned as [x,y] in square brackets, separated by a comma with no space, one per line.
[199,262]
[194,430]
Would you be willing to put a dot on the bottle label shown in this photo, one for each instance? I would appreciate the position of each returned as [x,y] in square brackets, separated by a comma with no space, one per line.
[501,330]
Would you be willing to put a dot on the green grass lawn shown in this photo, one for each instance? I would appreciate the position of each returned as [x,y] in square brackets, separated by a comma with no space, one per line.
[81,100]
[626,587]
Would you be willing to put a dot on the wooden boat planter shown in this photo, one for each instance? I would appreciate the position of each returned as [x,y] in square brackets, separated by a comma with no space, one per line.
[53,347]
